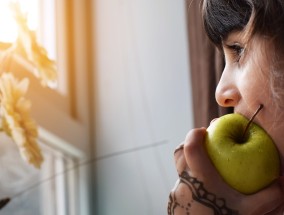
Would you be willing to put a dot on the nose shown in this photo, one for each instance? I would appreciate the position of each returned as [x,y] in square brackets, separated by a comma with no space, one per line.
[227,93]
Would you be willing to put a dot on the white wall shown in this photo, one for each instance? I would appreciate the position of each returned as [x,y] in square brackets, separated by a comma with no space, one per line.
[143,102]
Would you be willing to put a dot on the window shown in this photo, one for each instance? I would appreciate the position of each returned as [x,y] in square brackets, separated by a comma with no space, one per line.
[8,30]
[63,115]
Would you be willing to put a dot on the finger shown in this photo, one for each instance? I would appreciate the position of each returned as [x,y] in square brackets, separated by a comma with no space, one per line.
[271,198]
[179,159]
[198,161]
[194,152]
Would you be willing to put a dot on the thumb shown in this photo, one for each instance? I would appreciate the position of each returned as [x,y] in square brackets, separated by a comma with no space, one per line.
[269,199]
[199,162]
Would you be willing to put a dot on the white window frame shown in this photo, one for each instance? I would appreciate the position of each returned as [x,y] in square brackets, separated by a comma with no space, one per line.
[76,114]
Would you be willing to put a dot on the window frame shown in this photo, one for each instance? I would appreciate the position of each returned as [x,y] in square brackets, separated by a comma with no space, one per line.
[68,123]
[74,43]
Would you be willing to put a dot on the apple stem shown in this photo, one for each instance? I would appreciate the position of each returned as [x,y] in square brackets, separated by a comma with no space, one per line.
[251,120]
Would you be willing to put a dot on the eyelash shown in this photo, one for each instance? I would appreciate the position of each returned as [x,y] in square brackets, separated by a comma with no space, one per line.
[237,51]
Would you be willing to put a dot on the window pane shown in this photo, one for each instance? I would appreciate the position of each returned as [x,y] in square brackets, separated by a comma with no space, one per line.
[41,18]
[46,27]
[8,28]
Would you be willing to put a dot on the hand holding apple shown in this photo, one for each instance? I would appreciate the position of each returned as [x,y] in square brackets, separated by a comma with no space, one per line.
[243,153]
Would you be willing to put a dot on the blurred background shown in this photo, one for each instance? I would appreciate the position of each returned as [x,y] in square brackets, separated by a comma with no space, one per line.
[122,104]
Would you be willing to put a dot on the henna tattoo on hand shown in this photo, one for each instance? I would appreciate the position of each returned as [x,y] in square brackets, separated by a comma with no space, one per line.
[199,194]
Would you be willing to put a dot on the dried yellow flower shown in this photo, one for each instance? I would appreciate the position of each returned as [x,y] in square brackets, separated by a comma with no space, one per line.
[27,46]
[16,120]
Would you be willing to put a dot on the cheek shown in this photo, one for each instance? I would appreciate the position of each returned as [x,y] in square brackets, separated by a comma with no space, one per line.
[259,93]
[255,90]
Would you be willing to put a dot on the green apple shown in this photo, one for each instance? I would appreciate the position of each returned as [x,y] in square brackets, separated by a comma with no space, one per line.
[248,164]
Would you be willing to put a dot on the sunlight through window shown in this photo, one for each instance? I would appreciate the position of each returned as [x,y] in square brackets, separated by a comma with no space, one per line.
[44,19]
[8,27]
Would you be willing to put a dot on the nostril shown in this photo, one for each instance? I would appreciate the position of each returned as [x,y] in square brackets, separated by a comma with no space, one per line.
[228,102]
[227,96]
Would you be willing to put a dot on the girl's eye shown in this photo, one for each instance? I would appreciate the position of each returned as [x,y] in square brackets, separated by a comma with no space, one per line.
[237,51]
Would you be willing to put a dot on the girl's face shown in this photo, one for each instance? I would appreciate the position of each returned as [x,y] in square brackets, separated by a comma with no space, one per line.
[245,84]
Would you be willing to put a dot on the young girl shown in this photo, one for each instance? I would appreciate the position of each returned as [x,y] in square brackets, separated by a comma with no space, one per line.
[251,35]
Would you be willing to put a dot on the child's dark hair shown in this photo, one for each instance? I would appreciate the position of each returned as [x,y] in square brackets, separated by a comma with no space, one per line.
[224,16]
